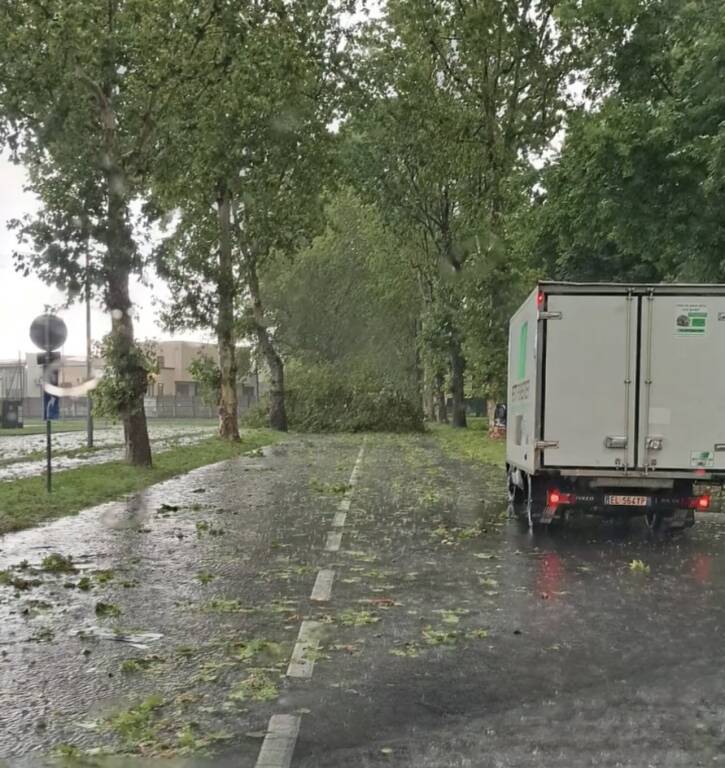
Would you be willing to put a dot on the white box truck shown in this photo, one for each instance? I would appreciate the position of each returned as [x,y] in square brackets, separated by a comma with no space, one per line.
[616,401]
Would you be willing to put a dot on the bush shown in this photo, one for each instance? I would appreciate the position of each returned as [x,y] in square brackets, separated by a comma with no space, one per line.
[324,398]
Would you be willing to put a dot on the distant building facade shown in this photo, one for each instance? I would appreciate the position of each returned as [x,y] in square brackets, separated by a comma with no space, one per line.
[173,391]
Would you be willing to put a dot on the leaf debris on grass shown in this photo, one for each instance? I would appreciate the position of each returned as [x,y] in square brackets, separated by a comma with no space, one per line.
[9,579]
[107,610]
[353,618]
[259,685]
[137,724]
[639,566]
[57,563]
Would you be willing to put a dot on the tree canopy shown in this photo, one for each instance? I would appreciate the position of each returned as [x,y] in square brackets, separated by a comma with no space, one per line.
[364,196]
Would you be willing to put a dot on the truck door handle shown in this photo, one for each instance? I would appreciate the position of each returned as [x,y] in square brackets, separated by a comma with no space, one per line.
[616,442]
[654,443]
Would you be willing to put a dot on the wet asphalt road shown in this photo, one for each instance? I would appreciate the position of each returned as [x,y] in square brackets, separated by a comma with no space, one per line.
[452,637]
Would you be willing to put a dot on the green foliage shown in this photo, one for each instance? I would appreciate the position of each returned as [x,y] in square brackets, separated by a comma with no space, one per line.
[206,372]
[257,154]
[139,723]
[259,685]
[327,398]
[350,298]
[107,610]
[474,443]
[452,102]
[129,368]
[638,191]
[58,563]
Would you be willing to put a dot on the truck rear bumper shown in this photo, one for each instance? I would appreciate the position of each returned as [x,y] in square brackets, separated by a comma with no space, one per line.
[627,504]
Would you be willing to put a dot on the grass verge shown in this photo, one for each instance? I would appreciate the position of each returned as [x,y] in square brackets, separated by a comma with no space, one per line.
[25,502]
[471,443]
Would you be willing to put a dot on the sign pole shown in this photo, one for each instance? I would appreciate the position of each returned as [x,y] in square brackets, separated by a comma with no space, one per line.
[89,370]
[49,332]
[48,483]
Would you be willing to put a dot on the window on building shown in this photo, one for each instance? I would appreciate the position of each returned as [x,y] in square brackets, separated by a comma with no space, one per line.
[186,388]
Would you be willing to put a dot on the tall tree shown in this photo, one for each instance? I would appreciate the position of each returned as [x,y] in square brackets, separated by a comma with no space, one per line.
[456,97]
[82,84]
[638,191]
[247,186]
[367,321]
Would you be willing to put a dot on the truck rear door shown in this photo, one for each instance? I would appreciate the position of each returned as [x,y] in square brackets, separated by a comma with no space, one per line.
[682,383]
[589,373]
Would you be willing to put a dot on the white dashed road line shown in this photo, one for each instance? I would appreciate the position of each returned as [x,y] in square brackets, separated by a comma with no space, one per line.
[322,590]
[334,539]
[279,743]
[305,650]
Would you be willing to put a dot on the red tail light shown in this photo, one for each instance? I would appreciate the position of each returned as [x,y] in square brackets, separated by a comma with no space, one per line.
[540,299]
[697,502]
[554,498]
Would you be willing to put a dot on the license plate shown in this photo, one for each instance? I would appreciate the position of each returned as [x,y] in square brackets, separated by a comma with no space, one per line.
[627,501]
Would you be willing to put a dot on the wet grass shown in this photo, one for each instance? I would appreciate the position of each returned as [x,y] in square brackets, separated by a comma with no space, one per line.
[470,443]
[159,444]
[37,427]
[25,502]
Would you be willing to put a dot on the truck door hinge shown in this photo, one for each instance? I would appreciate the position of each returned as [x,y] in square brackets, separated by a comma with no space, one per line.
[542,444]
[544,315]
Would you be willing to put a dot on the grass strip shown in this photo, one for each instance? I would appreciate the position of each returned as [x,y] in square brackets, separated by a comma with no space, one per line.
[25,502]
[470,443]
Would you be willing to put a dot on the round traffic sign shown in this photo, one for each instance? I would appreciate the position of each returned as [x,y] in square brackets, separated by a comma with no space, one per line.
[48,332]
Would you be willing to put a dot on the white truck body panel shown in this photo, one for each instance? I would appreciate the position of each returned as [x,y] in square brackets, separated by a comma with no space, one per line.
[590,357]
[684,406]
[620,379]
[522,399]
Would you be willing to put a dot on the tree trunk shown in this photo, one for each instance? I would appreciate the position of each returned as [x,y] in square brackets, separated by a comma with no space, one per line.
[429,403]
[128,366]
[440,400]
[119,261]
[490,411]
[228,412]
[458,369]
[277,411]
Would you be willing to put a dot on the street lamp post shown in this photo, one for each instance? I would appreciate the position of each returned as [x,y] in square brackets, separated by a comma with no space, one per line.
[89,367]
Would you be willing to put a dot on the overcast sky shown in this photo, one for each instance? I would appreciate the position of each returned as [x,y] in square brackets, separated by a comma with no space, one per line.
[23,298]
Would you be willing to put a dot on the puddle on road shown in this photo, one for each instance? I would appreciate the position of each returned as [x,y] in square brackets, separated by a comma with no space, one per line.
[207,573]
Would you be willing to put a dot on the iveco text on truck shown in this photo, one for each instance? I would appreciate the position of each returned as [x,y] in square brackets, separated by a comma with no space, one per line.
[616,401]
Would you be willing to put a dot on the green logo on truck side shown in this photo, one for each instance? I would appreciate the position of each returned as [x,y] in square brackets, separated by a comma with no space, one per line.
[690,319]
[523,344]
[702,459]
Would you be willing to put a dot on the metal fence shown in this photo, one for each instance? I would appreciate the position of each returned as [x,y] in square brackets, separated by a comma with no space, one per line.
[164,407]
